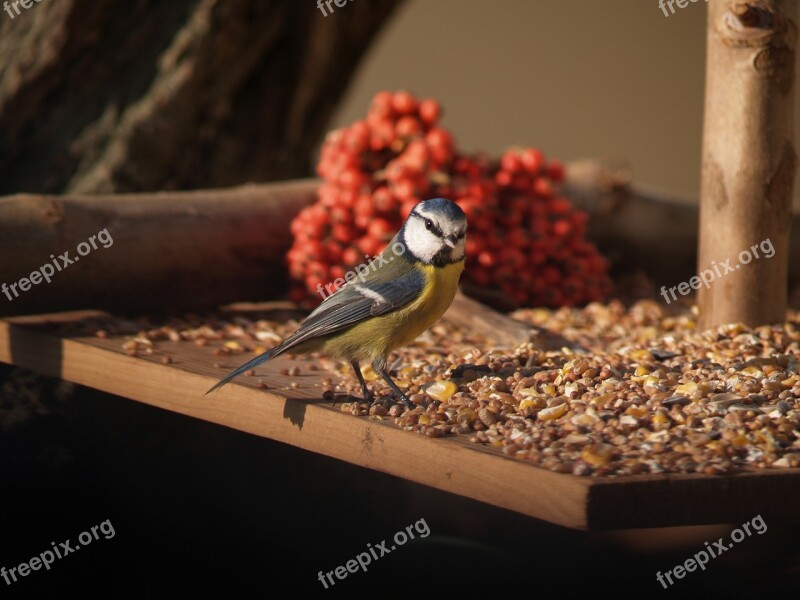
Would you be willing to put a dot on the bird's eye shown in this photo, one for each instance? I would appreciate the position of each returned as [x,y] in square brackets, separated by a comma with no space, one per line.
[428,224]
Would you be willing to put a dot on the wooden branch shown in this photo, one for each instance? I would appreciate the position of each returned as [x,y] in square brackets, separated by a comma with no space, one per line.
[504,331]
[205,249]
[642,228]
[636,226]
[194,250]
[478,318]
[749,160]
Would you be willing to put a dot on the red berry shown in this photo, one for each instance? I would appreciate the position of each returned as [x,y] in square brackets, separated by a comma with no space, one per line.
[351,256]
[408,127]
[405,189]
[511,219]
[297,294]
[562,228]
[341,214]
[551,275]
[543,187]
[356,138]
[381,229]
[560,206]
[512,257]
[520,296]
[382,135]
[511,162]
[418,151]
[474,246]
[333,252]
[369,245]
[337,272]
[382,104]
[343,232]
[407,207]
[503,178]
[524,239]
[441,144]
[480,276]
[364,206]
[383,200]
[532,160]
[404,103]
[598,263]
[317,269]
[346,198]
[313,282]
[555,170]
[429,111]
[486,259]
[553,297]
[519,237]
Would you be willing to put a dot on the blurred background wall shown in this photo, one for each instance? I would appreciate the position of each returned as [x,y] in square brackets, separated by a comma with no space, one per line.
[575,78]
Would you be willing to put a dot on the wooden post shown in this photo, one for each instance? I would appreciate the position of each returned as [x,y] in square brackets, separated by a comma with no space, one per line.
[749,161]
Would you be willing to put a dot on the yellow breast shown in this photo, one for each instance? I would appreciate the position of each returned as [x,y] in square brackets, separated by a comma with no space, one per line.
[378,336]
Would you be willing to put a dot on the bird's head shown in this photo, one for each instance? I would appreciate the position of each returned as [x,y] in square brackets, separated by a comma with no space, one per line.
[435,232]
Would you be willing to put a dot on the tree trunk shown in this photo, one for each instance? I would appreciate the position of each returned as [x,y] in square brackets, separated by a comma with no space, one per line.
[749,162]
[120,96]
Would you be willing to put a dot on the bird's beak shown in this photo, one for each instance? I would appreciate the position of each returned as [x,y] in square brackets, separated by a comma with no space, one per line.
[449,243]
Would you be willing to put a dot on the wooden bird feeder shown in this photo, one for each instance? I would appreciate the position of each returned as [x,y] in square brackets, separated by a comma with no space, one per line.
[215,246]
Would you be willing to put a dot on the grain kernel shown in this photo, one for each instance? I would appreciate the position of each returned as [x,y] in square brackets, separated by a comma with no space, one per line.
[441,390]
[554,412]
[598,455]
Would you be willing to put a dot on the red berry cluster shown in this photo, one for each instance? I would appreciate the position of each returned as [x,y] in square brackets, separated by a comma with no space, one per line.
[523,238]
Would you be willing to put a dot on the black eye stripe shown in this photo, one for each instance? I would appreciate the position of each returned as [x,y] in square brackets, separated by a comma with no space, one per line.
[433,227]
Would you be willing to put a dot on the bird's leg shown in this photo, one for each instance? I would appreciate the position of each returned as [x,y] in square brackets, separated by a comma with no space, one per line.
[364,389]
[380,370]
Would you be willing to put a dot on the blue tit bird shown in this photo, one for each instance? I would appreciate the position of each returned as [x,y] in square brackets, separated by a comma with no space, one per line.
[409,287]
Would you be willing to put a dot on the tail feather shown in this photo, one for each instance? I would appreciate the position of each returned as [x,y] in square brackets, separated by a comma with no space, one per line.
[272,353]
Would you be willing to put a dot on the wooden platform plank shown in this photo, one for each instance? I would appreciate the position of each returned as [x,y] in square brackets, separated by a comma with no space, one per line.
[301,418]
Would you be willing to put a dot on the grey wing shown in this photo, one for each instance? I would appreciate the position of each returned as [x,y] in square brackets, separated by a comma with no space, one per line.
[348,306]
[358,301]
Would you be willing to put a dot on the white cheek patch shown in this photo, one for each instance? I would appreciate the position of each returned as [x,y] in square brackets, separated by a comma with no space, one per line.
[422,243]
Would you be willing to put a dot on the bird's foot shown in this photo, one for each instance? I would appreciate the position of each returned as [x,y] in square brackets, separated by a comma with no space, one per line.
[405,400]
[386,401]
[367,399]
[329,395]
